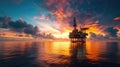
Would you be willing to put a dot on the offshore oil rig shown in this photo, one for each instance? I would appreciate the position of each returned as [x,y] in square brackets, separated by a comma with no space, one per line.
[78,35]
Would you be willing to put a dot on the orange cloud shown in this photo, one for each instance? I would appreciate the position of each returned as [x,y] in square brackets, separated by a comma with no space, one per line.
[118,28]
[63,13]
[54,31]
[116,18]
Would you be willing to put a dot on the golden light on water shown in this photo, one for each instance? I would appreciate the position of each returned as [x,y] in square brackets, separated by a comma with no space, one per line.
[61,48]
[58,52]
[95,49]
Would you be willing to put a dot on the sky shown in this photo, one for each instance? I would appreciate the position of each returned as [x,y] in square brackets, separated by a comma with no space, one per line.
[56,16]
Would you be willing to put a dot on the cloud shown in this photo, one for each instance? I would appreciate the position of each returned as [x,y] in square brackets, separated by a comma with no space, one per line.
[19,26]
[95,31]
[94,36]
[88,13]
[111,33]
[4,21]
[117,18]
[118,28]
[63,11]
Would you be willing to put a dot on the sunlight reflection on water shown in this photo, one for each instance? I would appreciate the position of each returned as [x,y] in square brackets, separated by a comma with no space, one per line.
[28,54]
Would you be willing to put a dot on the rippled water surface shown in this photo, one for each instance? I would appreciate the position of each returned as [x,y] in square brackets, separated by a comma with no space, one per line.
[57,54]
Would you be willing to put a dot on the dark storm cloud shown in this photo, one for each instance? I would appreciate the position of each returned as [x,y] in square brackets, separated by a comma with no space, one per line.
[4,21]
[29,29]
[22,26]
[19,26]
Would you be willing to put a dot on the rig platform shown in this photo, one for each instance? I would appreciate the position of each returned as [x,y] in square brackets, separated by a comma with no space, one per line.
[78,35]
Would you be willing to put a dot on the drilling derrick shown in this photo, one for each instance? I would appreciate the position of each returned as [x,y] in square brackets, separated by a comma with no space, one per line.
[78,35]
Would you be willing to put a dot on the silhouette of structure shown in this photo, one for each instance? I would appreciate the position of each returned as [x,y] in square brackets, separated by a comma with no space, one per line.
[78,35]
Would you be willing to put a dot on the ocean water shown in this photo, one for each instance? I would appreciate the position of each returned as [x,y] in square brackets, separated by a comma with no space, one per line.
[58,54]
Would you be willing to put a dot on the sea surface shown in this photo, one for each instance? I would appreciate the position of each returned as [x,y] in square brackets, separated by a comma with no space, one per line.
[59,54]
